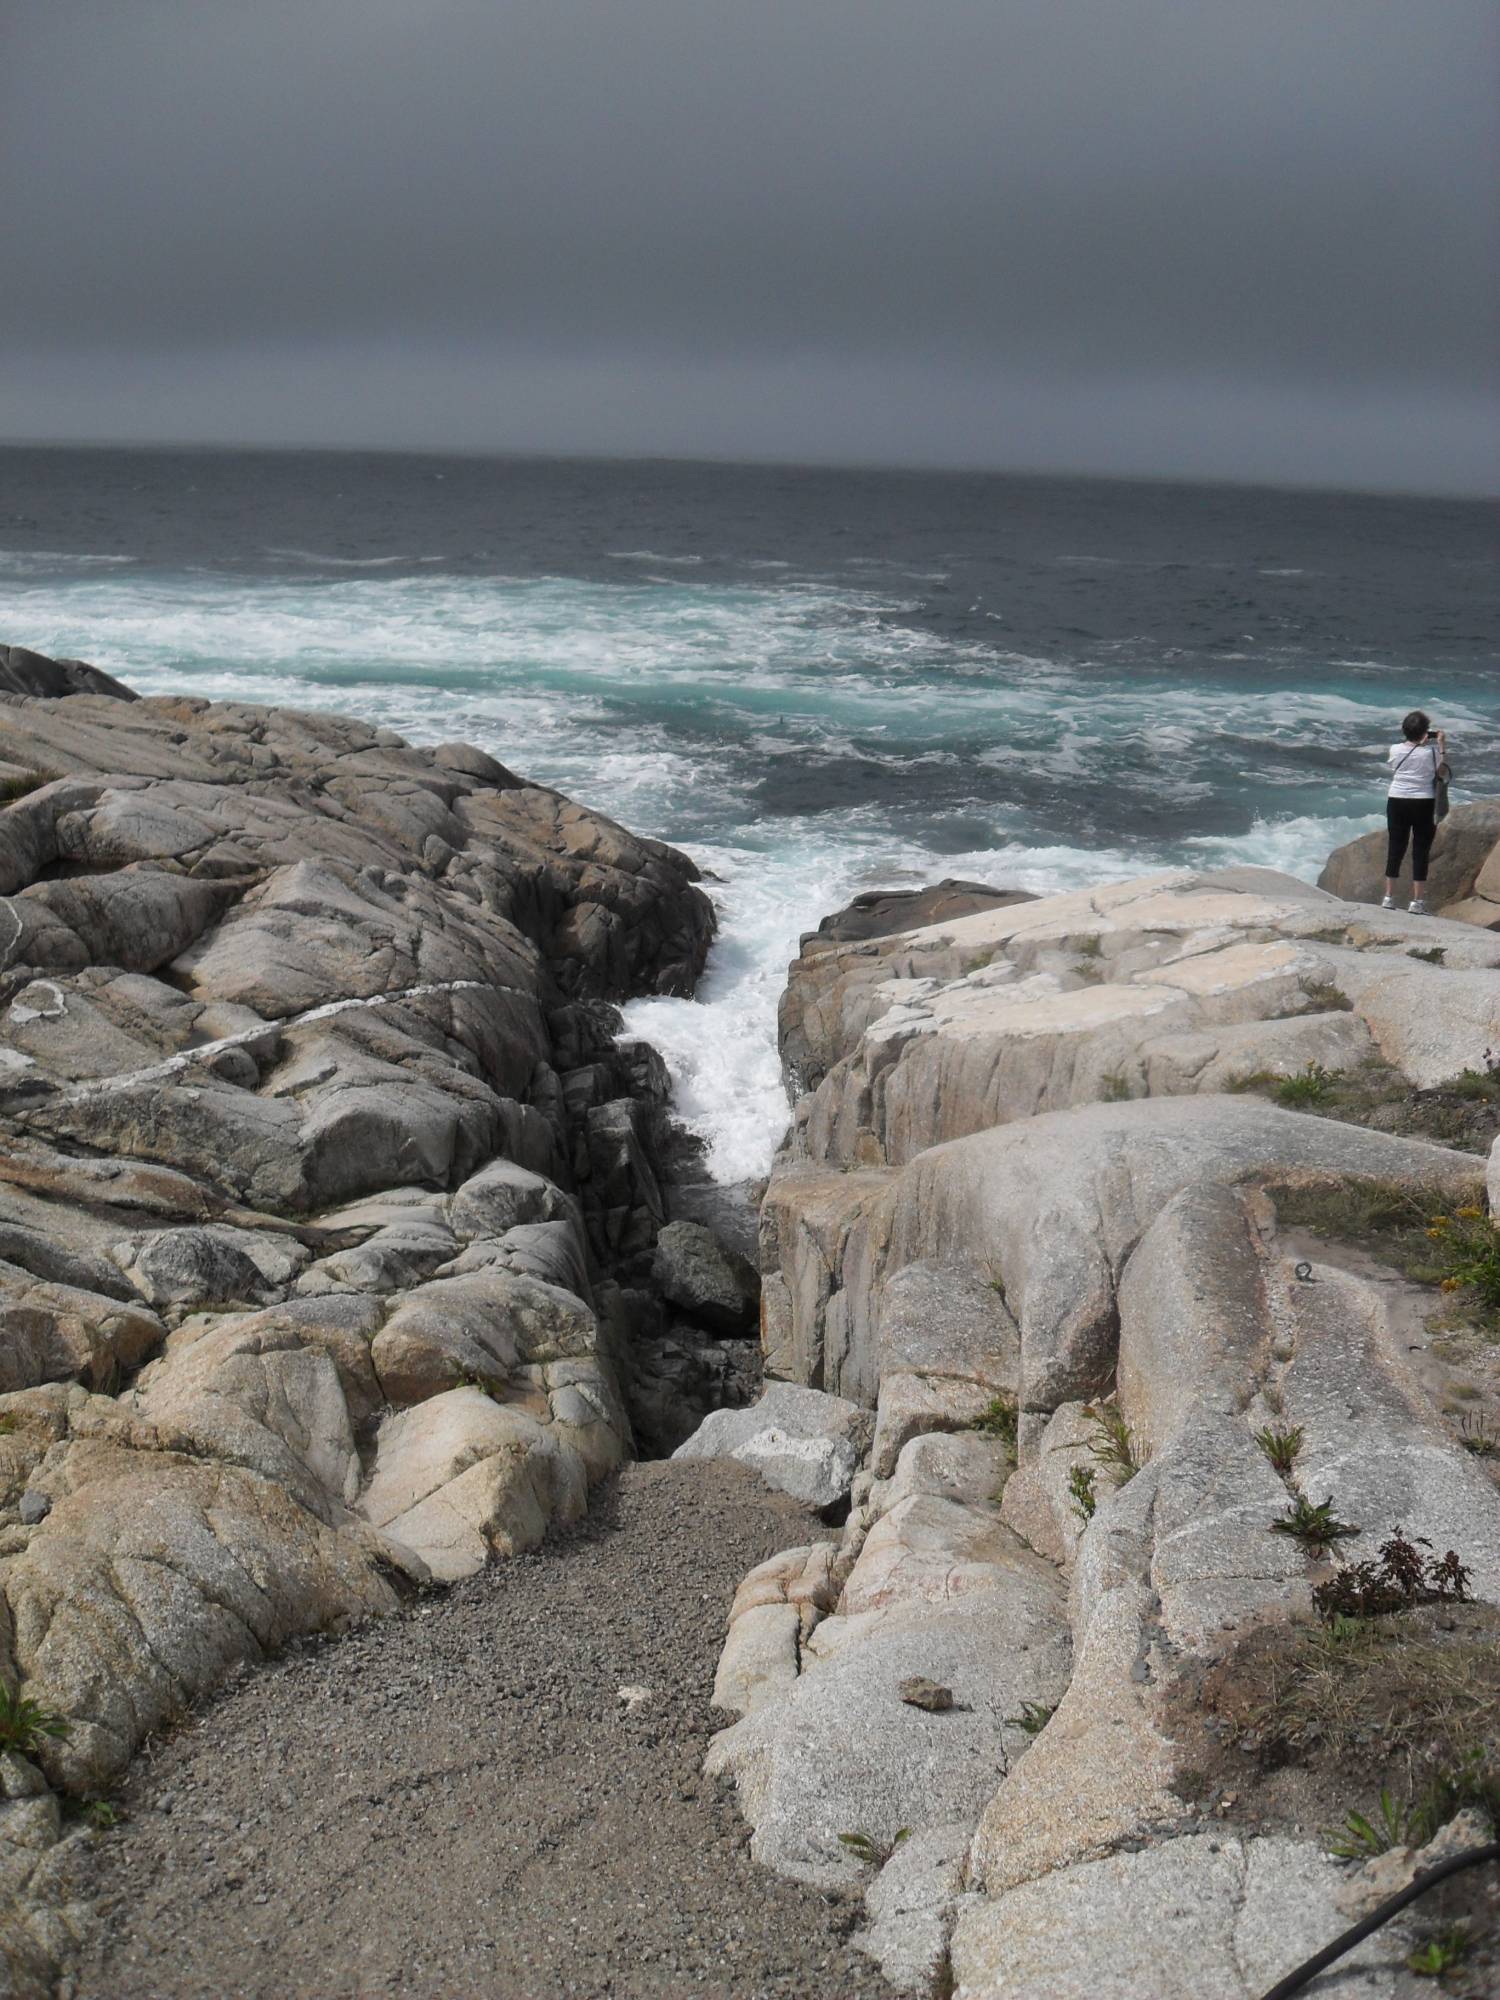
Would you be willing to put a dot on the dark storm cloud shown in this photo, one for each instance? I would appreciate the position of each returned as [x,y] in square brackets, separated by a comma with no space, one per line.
[1254,238]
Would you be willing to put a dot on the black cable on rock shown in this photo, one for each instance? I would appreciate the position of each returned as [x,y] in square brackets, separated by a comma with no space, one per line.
[1347,1940]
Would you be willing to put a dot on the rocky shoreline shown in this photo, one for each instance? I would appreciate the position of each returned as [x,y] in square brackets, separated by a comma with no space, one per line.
[345,1245]
[336,1250]
[1122,1214]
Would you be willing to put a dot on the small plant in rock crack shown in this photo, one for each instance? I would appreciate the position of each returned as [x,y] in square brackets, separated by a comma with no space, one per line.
[25,1725]
[1440,1952]
[7,1424]
[1032,1717]
[1309,1086]
[1112,1443]
[485,1388]
[22,782]
[1360,1839]
[1475,1435]
[99,1815]
[1081,1492]
[1479,1083]
[1313,1523]
[1396,1578]
[1089,947]
[1280,1446]
[999,1420]
[1468,1250]
[1327,998]
[864,1847]
[1114,1088]
[1434,955]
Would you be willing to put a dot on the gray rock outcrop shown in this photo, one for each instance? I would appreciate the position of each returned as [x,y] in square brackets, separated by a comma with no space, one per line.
[321,1174]
[25,672]
[1037,1214]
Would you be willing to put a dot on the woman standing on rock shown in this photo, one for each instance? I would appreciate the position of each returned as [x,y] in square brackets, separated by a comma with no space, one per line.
[1417,764]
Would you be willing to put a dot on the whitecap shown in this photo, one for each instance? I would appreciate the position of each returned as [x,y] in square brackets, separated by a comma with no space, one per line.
[348,562]
[650,555]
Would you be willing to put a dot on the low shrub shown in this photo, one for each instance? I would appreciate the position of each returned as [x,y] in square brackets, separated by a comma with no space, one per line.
[1396,1578]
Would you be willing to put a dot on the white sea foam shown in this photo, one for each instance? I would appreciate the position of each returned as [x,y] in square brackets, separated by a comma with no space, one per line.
[673,706]
[348,562]
[650,556]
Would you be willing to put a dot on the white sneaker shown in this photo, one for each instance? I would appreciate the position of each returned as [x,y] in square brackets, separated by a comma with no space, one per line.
[1387,902]
[1418,909]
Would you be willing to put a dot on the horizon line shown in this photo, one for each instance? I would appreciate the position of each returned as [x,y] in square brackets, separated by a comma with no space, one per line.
[897,468]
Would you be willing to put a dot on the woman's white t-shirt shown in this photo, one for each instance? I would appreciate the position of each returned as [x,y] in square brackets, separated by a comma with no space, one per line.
[1416,777]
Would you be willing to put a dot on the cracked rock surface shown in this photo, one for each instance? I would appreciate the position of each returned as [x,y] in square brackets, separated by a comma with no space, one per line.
[1037,1214]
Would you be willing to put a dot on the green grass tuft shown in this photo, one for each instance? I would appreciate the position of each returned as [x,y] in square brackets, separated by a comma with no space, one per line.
[1032,1717]
[1312,1085]
[1112,1443]
[999,1420]
[24,782]
[1441,1951]
[25,1725]
[1081,1492]
[1312,1523]
[1280,1446]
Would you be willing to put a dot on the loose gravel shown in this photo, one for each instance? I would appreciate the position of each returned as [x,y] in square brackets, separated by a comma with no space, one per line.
[458,1800]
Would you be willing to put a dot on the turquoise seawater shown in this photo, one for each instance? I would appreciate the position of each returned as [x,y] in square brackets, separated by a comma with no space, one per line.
[815,682]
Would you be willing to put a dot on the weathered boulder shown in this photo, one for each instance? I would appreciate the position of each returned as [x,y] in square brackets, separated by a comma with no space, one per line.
[480,1327]
[1054,1205]
[54,1332]
[878,913]
[1465,847]
[28,673]
[461,1478]
[798,1440]
[946,1592]
[727,1209]
[707,1282]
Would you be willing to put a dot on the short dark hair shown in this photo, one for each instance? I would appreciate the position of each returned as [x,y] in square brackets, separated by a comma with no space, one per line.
[1415,726]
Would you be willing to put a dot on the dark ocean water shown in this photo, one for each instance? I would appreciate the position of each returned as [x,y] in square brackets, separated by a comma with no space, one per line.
[814,680]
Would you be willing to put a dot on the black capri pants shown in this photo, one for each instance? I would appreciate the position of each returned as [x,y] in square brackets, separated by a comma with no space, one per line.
[1413,820]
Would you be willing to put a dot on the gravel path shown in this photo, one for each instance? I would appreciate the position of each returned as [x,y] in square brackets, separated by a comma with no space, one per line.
[456,1801]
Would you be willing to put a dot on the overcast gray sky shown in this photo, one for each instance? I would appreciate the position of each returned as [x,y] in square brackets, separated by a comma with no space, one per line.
[1243,238]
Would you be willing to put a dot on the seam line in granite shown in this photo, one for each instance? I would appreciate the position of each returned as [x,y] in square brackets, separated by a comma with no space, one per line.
[177,1065]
